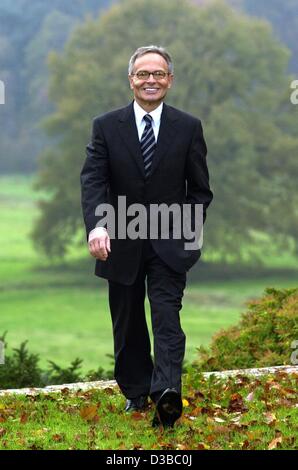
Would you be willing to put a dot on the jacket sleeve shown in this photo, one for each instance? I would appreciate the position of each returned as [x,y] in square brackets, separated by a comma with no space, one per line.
[197,175]
[94,177]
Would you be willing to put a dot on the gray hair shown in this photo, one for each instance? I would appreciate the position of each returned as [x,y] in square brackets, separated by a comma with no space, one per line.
[153,49]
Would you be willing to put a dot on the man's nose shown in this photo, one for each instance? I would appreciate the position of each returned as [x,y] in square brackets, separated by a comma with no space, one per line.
[151,78]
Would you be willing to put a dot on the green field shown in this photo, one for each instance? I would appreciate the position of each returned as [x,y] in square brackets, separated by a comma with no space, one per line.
[62,308]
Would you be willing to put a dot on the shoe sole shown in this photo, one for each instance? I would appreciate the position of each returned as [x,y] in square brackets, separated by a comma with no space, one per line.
[169,409]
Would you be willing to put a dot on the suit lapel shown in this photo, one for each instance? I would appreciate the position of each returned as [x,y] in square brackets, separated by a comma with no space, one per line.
[166,136]
[129,133]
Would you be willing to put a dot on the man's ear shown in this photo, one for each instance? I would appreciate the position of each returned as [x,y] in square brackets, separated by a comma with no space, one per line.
[130,82]
[171,81]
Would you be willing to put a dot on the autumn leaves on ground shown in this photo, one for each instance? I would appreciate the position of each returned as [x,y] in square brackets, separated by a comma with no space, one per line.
[232,413]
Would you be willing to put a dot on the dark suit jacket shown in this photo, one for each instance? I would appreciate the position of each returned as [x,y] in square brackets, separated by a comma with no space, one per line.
[114,166]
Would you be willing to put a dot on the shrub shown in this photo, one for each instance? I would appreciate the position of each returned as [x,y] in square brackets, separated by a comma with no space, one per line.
[21,369]
[262,338]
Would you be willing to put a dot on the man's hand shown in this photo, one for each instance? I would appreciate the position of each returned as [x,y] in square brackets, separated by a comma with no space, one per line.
[99,243]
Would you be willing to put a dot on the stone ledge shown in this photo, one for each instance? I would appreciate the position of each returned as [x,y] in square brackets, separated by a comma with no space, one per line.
[254,372]
[84,386]
[102,384]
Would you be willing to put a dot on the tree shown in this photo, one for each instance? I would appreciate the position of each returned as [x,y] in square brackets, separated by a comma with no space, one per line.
[284,18]
[230,71]
[29,30]
[282,15]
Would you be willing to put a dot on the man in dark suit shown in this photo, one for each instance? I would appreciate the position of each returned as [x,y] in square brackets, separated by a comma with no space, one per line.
[150,153]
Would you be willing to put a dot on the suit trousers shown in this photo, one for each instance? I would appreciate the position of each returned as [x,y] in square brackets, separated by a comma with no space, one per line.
[135,371]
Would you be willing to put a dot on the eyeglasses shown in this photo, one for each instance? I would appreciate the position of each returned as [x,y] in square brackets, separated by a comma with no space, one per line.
[157,75]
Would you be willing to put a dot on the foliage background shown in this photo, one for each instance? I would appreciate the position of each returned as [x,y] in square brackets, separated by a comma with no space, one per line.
[65,62]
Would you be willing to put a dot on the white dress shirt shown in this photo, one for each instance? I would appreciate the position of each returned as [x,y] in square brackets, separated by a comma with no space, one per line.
[139,117]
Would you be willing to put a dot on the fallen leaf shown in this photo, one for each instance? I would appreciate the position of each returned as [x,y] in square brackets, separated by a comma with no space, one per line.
[236,403]
[207,411]
[250,397]
[35,447]
[71,409]
[137,416]
[197,411]
[202,446]
[111,408]
[275,443]
[215,405]
[192,418]
[236,419]
[185,402]
[88,413]
[242,379]
[182,447]
[252,435]
[219,420]
[199,394]
[23,418]
[221,429]
[245,445]
[137,447]
[270,418]
[210,420]
[58,437]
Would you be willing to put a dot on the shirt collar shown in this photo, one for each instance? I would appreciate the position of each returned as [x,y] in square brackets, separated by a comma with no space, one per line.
[140,113]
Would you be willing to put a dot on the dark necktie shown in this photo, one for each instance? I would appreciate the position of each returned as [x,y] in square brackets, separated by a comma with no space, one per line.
[148,144]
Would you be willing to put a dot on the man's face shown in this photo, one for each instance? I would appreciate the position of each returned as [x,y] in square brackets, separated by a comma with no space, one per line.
[150,92]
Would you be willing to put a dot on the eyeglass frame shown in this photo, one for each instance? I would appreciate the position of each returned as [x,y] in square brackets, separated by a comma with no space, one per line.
[151,73]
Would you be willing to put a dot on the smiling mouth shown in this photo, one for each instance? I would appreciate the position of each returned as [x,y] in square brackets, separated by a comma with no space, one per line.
[151,90]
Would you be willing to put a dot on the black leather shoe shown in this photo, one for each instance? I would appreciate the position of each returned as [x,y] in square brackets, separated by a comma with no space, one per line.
[168,409]
[136,404]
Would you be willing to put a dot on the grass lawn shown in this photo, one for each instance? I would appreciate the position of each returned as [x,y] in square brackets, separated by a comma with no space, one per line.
[62,308]
[233,414]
